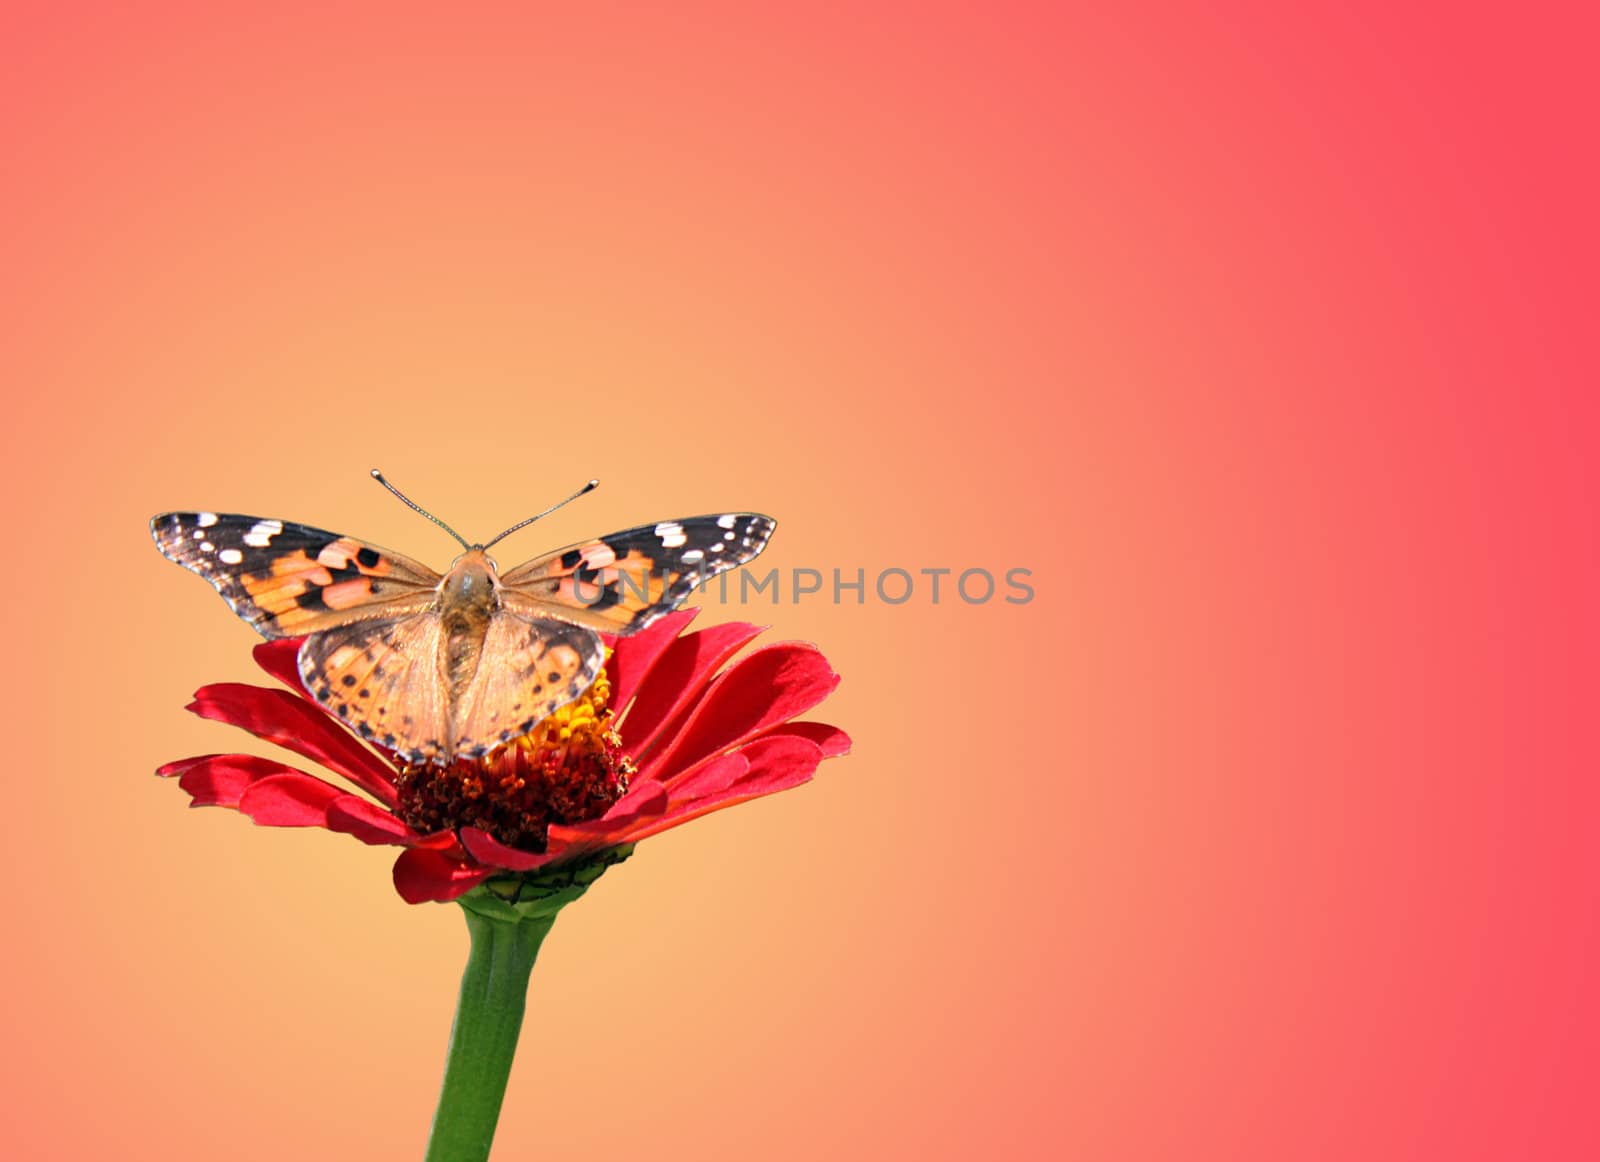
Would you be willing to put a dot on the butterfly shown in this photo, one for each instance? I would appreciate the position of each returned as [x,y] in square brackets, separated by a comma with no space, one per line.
[434,666]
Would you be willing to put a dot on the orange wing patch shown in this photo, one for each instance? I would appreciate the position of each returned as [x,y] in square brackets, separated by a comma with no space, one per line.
[299,592]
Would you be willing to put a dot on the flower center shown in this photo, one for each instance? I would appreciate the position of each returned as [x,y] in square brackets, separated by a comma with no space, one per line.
[568,769]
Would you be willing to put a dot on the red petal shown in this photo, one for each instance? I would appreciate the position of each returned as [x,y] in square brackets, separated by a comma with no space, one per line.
[833,741]
[217,780]
[632,657]
[281,659]
[486,849]
[368,822]
[289,799]
[178,766]
[445,841]
[776,764]
[296,724]
[425,873]
[709,777]
[646,797]
[768,687]
[645,801]
[677,679]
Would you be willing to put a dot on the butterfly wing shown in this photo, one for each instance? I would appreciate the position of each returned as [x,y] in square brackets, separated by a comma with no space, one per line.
[622,583]
[383,678]
[288,579]
[387,680]
[528,668]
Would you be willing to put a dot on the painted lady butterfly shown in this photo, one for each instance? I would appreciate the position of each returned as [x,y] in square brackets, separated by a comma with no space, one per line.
[435,666]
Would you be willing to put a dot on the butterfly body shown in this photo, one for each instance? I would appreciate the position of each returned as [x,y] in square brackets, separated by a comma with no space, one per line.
[433,666]
[468,599]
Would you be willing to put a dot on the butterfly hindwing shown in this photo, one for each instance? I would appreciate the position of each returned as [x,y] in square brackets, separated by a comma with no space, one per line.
[621,583]
[528,669]
[289,579]
[389,681]
[382,678]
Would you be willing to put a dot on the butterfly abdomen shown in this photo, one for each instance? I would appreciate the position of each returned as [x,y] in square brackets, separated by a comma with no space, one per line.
[467,600]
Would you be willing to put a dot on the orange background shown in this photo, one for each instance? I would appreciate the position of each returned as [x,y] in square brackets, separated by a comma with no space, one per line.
[1266,339]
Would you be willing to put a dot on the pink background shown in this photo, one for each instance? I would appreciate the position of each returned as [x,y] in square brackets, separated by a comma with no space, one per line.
[1264,336]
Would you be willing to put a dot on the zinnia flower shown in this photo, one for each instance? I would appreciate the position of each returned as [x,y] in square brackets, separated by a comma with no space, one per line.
[665,734]
[661,737]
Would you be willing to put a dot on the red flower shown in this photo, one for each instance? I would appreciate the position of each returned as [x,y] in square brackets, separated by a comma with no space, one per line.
[661,737]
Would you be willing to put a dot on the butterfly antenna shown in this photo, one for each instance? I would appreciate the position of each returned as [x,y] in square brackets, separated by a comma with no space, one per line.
[413,505]
[589,487]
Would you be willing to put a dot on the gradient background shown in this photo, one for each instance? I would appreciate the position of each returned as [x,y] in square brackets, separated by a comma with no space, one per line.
[1266,339]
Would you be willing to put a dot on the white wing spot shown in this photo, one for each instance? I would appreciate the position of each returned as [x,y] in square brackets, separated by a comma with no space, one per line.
[230,556]
[671,534]
[206,519]
[727,522]
[690,556]
[206,546]
[262,532]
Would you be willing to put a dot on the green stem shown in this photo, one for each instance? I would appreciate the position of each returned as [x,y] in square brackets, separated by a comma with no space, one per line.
[483,1039]
[508,920]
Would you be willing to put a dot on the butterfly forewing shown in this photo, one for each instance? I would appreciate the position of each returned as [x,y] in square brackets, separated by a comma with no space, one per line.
[289,579]
[621,583]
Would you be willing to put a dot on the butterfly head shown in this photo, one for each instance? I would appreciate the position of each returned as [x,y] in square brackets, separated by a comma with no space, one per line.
[469,587]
